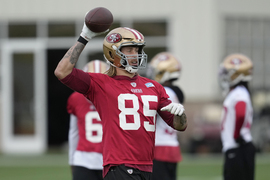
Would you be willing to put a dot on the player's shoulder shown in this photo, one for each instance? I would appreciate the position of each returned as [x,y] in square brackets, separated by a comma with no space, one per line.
[75,96]
[98,75]
[178,92]
[100,78]
[169,90]
[150,82]
[72,95]
[237,94]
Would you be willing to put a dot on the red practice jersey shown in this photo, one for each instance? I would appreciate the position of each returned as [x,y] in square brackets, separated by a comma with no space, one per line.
[85,134]
[128,109]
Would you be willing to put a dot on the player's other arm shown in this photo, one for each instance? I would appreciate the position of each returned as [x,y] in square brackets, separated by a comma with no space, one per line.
[240,113]
[180,118]
[180,122]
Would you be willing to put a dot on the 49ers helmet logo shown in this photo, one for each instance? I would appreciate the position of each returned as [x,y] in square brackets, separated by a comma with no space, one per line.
[163,57]
[236,61]
[114,38]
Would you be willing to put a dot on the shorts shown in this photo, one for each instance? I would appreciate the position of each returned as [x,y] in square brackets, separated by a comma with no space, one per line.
[82,173]
[164,170]
[123,172]
[240,163]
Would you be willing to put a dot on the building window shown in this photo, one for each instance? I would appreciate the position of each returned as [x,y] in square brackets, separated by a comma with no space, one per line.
[23,93]
[60,29]
[22,30]
[151,28]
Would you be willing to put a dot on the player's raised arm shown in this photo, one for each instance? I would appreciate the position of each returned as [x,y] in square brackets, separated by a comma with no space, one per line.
[69,60]
[98,20]
[180,118]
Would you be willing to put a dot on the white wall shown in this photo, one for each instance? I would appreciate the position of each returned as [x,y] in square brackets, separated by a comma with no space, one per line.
[195,36]
[245,8]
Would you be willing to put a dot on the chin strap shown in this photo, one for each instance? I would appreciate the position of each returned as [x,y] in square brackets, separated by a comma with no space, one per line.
[130,69]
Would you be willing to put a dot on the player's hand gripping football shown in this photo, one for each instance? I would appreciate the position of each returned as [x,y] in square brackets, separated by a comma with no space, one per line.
[174,108]
[87,34]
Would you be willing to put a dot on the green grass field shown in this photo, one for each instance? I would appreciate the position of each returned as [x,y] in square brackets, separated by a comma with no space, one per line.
[55,167]
[209,167]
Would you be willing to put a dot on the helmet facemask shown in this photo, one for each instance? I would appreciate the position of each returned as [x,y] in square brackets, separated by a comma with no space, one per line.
[124,59]
[224,80]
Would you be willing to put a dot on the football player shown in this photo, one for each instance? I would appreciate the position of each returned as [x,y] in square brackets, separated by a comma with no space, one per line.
[126,102]
[85,132]
[165,69]
[234,74]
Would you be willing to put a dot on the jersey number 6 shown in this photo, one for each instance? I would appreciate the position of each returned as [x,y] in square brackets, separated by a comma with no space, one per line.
[91,127]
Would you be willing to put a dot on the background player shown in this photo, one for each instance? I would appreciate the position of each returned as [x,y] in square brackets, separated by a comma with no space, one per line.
[166,69]
[85,132]
[126,102]
[234,75]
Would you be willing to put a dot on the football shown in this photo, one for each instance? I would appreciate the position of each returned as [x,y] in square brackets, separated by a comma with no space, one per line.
[99,19]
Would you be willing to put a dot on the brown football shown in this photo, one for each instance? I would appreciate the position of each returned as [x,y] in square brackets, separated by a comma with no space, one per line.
[99,19]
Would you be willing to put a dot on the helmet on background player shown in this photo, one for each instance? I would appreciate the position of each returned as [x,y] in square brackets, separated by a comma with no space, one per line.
[96,66]
[163,67]
[234,69]
[118,38]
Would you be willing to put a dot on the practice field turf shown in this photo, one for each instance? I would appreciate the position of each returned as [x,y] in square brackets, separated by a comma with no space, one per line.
[55,167]
[209,167]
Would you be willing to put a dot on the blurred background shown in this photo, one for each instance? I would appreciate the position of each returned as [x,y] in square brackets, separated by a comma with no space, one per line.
[35,34]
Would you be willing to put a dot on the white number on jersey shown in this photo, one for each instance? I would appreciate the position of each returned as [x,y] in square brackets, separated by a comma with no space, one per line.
[134,112]
[91,127]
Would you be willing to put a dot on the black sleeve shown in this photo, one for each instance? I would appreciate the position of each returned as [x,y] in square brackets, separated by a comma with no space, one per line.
[179,93]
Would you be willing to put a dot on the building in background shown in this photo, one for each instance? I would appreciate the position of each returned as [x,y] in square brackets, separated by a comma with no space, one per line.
[35,35]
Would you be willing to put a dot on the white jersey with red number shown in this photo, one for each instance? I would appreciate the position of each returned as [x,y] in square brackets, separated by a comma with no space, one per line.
[85,133]
[167,145]
[128,109]
[228,126]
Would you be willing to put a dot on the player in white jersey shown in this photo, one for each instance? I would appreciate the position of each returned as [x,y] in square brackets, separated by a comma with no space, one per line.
[126,102]
[234,75]
[85,132]
[166,69]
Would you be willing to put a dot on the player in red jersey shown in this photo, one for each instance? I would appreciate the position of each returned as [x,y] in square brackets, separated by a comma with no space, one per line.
[165,69]
[235,73]
[85,132]
[126,102]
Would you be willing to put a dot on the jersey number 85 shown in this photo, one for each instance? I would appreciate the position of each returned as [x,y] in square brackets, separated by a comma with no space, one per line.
[134,112]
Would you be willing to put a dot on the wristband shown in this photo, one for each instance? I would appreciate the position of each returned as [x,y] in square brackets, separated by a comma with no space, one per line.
[82,40]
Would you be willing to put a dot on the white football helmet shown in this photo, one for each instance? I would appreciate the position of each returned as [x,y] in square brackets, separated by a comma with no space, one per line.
[234,69]
[164,67]
[96,66]
[115,40]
